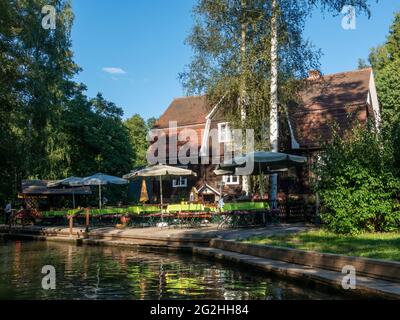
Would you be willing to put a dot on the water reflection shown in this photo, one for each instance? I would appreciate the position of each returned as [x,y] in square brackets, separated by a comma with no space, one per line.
[116,273]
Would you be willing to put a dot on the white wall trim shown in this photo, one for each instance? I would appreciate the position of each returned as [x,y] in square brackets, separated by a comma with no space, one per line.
[374,101]
[204,143]
[294,143]
[206,185]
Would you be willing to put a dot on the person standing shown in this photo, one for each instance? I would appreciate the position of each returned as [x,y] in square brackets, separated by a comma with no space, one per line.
[8,211]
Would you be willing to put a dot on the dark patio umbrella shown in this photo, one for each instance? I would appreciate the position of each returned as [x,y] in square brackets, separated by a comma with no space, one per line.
[71,181]
[264,162]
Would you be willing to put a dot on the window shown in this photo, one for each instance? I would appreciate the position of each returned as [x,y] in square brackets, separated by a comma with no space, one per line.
[180,182]
[224,132]
[230,180]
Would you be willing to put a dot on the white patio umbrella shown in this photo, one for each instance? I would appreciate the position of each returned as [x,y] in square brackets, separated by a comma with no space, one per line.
[101,179]
[71,181]
[160,171]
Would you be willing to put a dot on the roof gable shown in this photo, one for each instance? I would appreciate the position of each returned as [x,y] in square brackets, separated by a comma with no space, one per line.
[338,98]
[336,90]
[185,111]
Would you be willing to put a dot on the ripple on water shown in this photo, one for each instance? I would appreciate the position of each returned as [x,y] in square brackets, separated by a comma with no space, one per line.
[118,273]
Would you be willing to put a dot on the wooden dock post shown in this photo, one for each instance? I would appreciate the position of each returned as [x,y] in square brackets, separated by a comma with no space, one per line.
[71,225]
[87,219]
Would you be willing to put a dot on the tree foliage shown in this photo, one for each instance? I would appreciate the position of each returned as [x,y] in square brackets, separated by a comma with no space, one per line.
[220,68]
[359,182]
[385,60]
[49,129]
[359,174]
[138,129]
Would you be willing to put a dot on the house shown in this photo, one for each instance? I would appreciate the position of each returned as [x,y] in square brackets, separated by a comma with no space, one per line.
[344,98]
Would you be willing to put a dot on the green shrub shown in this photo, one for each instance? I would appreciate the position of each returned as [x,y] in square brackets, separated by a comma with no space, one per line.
[358,182]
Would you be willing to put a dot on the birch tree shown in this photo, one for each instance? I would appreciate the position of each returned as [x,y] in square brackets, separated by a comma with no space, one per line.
[288,7]
[274,121]
[242,90]
[269,34]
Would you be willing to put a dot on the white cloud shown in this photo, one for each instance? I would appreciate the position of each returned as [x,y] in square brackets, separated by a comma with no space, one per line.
[113,70]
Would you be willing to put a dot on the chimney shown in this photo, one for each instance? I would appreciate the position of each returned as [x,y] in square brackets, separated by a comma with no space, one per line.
[314,75]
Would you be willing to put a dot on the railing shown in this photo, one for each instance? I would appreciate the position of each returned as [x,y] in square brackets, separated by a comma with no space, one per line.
[232,214]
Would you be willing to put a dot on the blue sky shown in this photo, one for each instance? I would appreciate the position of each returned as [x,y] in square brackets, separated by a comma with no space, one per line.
[133,51]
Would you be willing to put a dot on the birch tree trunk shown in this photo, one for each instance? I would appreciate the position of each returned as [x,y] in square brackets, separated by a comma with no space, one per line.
[274,121]
[243,92]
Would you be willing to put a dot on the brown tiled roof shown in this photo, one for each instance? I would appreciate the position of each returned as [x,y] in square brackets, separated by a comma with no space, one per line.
[338,98]
[185,111]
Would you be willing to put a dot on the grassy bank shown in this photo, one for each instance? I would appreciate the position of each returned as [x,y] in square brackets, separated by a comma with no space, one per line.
[371,245]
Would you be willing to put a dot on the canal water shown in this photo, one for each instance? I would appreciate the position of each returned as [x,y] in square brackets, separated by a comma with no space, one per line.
[84,272]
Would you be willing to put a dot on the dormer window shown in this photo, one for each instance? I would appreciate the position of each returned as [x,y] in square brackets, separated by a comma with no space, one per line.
[224,132]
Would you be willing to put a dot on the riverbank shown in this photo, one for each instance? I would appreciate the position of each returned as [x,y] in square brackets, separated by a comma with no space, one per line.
[221,245]
[384,246]
[162,236]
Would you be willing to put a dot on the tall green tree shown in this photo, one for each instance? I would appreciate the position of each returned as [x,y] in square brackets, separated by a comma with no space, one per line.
[49,129]
[97,140]
[232,59]
[385,60]
[359,181]
[280,10]
[252,54]
[10,101]
[49,69]
[138,130]
[109,138]
[36,70]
